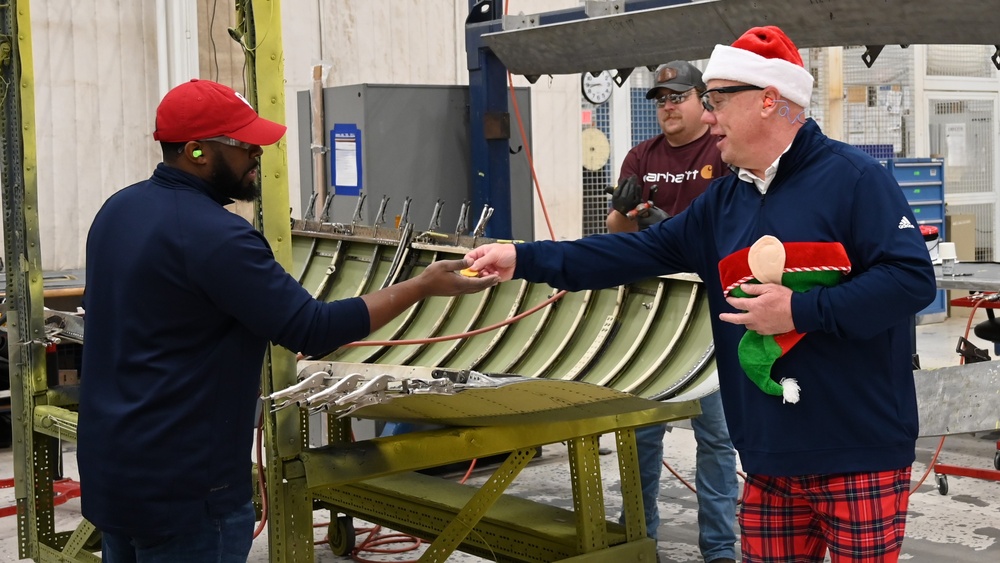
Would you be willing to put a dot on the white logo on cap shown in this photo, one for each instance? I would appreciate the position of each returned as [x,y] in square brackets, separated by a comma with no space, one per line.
[244,100]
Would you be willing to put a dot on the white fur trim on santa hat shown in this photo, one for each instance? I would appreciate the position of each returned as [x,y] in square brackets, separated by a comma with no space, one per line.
[739,65]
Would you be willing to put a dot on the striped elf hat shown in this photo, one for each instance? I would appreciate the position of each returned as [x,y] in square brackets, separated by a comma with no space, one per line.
[803,266]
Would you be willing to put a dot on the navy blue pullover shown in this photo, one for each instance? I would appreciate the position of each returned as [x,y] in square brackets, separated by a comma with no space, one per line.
[182,297]
[858,407]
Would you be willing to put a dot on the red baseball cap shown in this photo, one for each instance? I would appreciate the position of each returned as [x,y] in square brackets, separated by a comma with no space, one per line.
[202,109]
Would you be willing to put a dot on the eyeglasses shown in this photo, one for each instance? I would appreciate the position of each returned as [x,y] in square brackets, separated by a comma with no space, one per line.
[228,141]
[675,99]
[724,90]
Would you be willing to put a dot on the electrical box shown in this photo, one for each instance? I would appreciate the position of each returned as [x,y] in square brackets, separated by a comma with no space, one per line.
[401,141]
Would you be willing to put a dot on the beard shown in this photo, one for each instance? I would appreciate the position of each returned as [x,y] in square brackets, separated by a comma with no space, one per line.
[230,185]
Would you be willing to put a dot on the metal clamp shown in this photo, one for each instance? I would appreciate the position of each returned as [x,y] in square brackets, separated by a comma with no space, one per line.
[463,219]
[357,211]
[484,219]
[435,223]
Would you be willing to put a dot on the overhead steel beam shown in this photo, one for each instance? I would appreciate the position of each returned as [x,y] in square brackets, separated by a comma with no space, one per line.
[690,31]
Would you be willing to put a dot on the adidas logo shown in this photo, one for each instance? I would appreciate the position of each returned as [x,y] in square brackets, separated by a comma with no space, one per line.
[905,223]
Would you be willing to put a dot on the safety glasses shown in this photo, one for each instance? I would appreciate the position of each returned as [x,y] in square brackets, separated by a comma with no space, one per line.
[229,141]
[675,99]
[705,96]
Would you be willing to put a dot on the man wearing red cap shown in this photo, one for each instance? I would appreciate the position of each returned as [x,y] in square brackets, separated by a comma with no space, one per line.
[671,170]
[828,468]
[182,298]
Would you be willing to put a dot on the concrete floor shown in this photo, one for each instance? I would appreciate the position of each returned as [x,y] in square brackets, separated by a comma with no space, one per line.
[962,526]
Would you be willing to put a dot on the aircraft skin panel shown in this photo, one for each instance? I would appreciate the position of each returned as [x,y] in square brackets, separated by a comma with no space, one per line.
[705,382]
[645,337]
[506,301]
[671,323]
[322,252]
[431,316]
[567,315]
[348,271]
[464,317]
[379,269]
[367,282]
[586,343]
[395,329]
[390,331]
[521,336]
[642,299]
[688,359]
[302,253]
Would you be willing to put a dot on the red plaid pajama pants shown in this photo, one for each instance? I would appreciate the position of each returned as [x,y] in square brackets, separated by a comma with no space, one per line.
[859,517]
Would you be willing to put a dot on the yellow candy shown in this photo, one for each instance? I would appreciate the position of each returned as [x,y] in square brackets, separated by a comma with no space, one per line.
[469,273]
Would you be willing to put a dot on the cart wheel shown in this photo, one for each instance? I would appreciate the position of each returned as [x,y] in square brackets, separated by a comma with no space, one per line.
[942,481]
[996,460]
[340,535]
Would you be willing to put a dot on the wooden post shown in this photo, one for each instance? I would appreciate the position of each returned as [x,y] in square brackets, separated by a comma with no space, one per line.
[318,141]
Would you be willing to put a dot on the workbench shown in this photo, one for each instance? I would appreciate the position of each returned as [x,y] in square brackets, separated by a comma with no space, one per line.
[973,276]
[62,289]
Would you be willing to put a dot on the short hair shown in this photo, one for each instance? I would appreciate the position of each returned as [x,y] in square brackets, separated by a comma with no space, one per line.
[172,150]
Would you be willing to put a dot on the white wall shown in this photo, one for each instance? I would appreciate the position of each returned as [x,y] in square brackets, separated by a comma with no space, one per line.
[96,90]
[423,42]
[97,86]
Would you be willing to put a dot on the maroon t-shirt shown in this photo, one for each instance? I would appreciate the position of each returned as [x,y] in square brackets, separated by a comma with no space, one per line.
[680,174]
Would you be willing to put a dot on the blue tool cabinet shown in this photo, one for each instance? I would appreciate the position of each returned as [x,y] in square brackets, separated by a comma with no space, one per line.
[922,182]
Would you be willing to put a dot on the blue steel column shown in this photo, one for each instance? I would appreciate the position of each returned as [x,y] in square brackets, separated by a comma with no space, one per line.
[490,158]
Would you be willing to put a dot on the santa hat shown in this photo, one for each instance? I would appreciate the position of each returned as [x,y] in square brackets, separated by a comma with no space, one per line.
[806,265]
[763,56]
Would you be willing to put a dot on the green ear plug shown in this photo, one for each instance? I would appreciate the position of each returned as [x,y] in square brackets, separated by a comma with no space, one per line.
[196,153]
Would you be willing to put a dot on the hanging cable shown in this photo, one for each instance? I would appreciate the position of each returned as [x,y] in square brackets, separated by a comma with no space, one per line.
[467,334]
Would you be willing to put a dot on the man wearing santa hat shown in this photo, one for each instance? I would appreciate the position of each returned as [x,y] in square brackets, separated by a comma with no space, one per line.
[848,491]
[828,465]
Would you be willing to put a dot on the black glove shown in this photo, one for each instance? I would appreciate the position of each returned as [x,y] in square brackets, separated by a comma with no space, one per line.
[627,196]
[652,216]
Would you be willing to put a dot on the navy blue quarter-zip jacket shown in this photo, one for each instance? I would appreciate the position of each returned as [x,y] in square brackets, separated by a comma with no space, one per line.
[858,407]
[182,297]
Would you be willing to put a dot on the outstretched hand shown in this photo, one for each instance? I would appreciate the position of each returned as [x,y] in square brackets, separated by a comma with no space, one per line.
[768,310]
[493,260]
[442,278]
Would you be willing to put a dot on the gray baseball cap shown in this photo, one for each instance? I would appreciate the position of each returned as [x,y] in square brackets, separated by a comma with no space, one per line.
[679,76]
